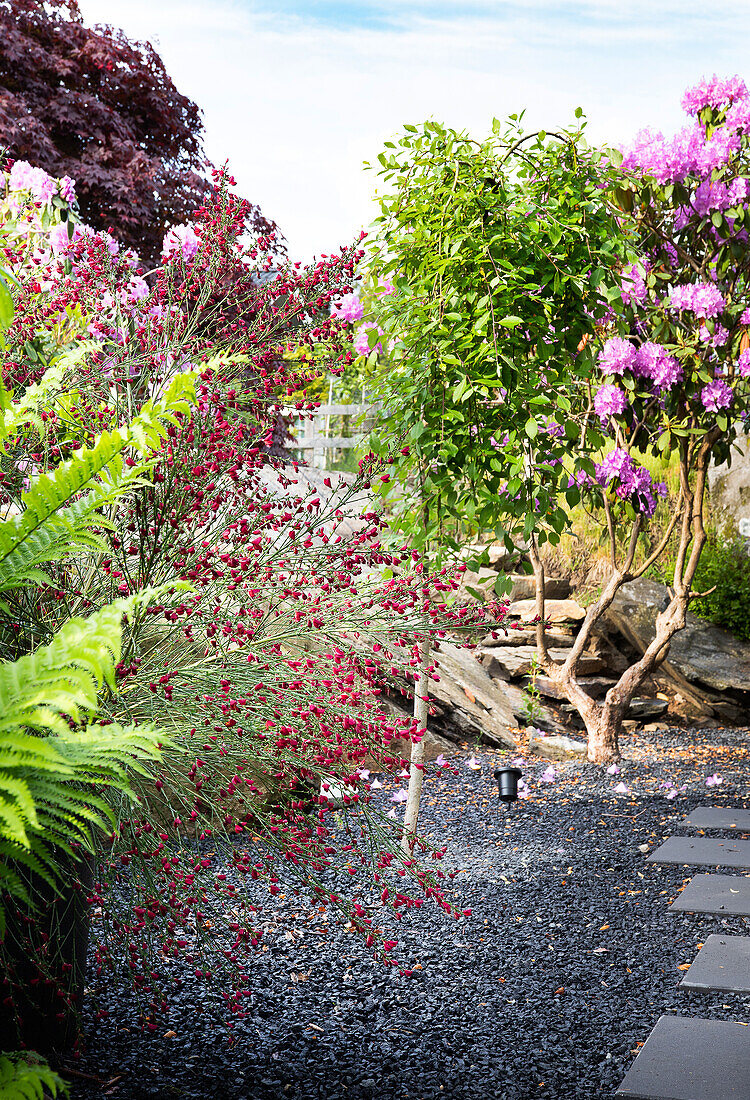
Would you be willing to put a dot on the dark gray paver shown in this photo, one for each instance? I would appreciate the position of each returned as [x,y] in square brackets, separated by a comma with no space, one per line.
[717,817]
[725,894]
[688,1059]
[703,851]
[722,963]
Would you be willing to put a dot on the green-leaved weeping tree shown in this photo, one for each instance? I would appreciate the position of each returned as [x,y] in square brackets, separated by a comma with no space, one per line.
[485,265]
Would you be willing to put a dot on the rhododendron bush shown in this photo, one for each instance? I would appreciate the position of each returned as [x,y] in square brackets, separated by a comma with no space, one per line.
[547,378]
[267,672]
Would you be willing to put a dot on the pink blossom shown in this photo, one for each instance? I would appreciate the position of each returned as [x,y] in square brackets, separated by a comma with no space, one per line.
[613,770]
[24,177]
[654,362]
[400,796]
[621,789]
[716,395]
[713,93]
[59,239]
[180,239]
[376,785]
[609,401]
[702,299]
[633,286]
[548,775]
[714,780]
[616,356]
[743,363]
[474,764]
[349,309]
[385,287]
[68,188]
[442,762]
[362,343]
[137,288]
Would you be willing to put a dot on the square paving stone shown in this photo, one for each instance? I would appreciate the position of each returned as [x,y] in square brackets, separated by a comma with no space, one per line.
[722,963]
[728,895]
[689,1059]
[703,851]
[717,817]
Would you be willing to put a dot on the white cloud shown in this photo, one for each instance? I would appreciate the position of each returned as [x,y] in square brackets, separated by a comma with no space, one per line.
[297,104]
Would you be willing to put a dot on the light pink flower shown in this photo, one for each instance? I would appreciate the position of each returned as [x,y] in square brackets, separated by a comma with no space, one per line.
[621,789]
[400,796]
[474,764]
[180,239]
[349,309]
[613,770]
[714,780]
[442,762]
[548,775]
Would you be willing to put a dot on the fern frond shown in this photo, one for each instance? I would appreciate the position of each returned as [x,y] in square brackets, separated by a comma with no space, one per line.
[26,1076]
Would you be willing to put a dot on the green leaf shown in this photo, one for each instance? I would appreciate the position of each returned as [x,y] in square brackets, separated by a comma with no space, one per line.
[6,306]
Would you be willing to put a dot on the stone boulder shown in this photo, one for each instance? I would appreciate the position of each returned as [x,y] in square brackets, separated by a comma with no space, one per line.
[701,653]
[557,747]
[517,661]
[555,611]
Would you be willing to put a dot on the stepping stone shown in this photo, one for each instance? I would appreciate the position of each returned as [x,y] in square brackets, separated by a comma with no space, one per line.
[703,851]
[688,1059]
[728,895]
[716,817]
[722,963]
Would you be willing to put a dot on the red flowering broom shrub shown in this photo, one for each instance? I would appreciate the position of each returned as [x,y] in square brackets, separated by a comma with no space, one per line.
[268,675]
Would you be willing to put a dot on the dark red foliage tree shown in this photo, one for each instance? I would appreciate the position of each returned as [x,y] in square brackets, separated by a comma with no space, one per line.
[91,104]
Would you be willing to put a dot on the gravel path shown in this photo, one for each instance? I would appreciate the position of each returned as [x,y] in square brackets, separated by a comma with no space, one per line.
[567,961]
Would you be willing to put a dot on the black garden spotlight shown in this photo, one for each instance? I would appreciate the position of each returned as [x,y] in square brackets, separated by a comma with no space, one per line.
[507,783]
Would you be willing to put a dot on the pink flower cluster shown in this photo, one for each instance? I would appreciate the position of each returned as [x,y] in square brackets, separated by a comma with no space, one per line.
[610,401]
[716,395]
[630,481]
[650,361]
[181,240]
[713,93]
[689,152]
[362,340]
[24,177]
[349,309]
[702,299]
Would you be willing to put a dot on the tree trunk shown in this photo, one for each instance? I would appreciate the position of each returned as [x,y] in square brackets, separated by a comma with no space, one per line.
[603,730]
[416,766]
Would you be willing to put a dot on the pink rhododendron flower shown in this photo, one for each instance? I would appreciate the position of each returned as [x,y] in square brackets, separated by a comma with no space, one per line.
[743,363]
[59,239]
[399,796]
[702,299]
[713,93]
[68,188]
[385,287]
[362,342]
[609,401]
[633,286]
[717,338]
[349,309]
[616,356]
[716,395]
[652,361]
[24,177]
[180,239]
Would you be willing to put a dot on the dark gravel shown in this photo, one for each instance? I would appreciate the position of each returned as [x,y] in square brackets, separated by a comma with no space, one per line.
[567,961]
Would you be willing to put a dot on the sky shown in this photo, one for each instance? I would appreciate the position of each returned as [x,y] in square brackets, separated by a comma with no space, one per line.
[297,94]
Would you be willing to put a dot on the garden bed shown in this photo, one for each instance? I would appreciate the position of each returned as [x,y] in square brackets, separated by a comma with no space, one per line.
[565,964]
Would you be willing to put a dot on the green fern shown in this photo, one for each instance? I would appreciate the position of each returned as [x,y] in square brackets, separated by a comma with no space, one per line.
[56,761]
[49,527]
[26,1076]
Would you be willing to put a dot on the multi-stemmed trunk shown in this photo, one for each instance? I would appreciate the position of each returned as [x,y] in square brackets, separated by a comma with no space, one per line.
[603,720]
